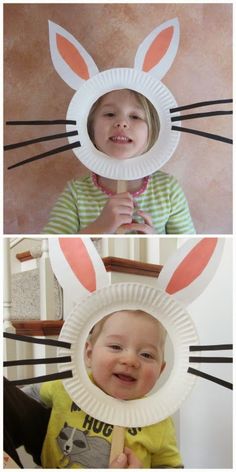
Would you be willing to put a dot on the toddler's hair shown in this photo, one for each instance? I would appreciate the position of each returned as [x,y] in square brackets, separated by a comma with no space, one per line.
[150,112]
[97,328]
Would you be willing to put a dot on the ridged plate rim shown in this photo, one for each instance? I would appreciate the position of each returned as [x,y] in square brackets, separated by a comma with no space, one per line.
[181,329]
[133,168]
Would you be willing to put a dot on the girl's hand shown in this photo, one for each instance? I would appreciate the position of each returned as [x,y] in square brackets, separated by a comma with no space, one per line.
[126,460]
[117,211]
[142,228]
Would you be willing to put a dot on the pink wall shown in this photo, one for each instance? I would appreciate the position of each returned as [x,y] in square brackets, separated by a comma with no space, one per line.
[111,33]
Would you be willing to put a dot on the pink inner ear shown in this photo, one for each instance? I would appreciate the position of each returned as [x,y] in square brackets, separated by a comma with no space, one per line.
[158,49]
[80,262]
[192,265]
[72,57]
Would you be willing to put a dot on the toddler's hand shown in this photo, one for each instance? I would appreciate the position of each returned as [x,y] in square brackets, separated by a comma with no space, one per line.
[142,228]
[126,460]
[117,211]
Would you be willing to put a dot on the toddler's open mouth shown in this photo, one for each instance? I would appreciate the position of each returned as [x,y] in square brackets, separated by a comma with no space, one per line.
[125,378]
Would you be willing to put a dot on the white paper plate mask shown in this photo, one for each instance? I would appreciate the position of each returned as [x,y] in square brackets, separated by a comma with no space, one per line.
[153,59]
[77,266]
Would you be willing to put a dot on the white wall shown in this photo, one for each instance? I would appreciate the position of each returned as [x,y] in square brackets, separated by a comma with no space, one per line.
[206,416]
[24,245]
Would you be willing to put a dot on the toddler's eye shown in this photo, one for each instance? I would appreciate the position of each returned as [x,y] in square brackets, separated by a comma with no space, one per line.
[115,347]
[147,355]
[110,114]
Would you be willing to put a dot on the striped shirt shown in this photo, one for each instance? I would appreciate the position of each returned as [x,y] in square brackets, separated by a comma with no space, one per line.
[82,202]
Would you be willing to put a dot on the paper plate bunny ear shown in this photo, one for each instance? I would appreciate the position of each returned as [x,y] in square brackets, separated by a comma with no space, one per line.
[73,63]
[189,271]
[70,59]
[77,266]
[158,50]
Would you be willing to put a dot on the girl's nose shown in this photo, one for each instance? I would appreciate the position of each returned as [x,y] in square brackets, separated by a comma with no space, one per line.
[121,123]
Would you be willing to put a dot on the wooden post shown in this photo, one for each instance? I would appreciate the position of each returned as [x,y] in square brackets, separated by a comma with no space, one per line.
[9,346]
[46,278]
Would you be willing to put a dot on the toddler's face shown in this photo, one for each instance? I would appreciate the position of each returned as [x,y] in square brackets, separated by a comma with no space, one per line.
[120,128]
[126,359]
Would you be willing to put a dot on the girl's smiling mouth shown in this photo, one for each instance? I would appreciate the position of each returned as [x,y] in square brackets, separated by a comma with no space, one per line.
[120,139]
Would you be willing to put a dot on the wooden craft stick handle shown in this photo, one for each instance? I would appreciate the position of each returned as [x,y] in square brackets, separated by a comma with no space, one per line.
[117,442]
[121,186]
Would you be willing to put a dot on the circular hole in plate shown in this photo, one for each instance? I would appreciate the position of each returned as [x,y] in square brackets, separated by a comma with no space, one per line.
[140,107]
[125,352]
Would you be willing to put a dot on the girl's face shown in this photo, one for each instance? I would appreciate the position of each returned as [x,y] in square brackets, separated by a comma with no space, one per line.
[120,128]
[126,359]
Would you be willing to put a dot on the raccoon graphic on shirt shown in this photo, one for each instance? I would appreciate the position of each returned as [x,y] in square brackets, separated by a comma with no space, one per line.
[80,448]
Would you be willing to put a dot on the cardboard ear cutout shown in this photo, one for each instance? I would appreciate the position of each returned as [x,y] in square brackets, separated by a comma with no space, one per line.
[73,63]
[189,271]
[158,50]
[77,266]
[70,59]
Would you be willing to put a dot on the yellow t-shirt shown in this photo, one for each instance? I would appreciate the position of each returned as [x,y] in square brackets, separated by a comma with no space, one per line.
[75,440]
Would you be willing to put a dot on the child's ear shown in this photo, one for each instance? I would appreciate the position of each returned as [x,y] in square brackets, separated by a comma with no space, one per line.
[88,353]
[163,367]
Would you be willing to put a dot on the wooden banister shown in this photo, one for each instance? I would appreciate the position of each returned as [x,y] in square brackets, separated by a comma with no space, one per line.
[24,256]
[127,266]
[38,327]
[115,264]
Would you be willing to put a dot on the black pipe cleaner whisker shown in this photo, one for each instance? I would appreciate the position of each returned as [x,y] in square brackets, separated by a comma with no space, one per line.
[200,115]
[203,134]
[44,378]
[217,360]
[212,347]
[46,154]
[221,382]
[41,122]
[31,339]
[200,104]
[51,137]
[45,360]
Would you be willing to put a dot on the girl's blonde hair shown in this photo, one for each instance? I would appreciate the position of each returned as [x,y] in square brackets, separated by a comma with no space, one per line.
[150,112]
